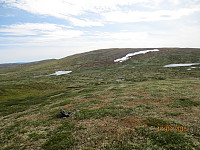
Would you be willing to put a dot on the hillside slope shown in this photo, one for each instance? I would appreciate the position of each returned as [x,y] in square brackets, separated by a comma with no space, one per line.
[120,105]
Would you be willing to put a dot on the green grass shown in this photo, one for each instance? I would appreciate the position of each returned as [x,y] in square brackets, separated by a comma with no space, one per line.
[156,122]
[109,113]
[62,139]
[103,112]
[185,102]
[35,136]
[173,113]
[61,103]
[166,140]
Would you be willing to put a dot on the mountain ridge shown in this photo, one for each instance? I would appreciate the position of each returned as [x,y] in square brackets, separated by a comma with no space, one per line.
[112,53]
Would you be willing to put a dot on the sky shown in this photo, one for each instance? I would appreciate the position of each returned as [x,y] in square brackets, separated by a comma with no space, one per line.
[32,30]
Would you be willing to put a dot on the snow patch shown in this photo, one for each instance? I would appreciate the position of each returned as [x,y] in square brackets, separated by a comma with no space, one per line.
[133,54]
[120,80]
[181,65]
[57,73]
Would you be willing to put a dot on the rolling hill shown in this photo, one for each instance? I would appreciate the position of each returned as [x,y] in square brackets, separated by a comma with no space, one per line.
[120,105]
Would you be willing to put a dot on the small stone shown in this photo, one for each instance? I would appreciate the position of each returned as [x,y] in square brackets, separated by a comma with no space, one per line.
[133,96]
[64,114]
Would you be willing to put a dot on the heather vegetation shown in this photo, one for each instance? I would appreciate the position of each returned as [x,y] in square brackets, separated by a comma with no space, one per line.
[122,114]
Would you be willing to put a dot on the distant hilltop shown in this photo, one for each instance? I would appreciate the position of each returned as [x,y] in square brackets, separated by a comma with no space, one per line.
[11,64]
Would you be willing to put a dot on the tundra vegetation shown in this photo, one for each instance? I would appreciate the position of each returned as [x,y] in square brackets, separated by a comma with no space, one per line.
[118,115]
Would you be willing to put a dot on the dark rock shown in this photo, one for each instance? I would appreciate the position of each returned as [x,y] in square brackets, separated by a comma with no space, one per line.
[63,114]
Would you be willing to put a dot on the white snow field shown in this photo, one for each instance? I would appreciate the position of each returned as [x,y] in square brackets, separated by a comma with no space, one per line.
[128,56]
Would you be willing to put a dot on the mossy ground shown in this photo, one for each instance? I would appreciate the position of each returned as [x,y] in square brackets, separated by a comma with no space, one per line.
[110,114]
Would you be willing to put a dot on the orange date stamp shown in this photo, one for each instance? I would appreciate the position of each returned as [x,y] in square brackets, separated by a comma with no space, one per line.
[176,129]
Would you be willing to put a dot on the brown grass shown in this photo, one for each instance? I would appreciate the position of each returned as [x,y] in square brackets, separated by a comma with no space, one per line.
[28,117]
[67,106]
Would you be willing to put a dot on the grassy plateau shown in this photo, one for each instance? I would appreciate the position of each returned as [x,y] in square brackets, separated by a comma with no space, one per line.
[111,115]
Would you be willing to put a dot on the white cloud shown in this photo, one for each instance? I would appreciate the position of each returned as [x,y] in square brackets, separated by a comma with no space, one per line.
[55,35]
[40,31]
[41,48]
[77,11]
[138,16]
[48,40]
[121,36]
[69,7]
[65,9]
[84,23]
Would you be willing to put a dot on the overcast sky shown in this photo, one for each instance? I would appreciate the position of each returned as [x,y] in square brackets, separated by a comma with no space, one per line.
[33,30]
